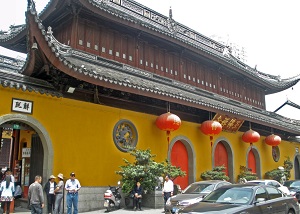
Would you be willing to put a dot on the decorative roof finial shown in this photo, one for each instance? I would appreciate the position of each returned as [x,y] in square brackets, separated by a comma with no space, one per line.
[30,4]
[170,13]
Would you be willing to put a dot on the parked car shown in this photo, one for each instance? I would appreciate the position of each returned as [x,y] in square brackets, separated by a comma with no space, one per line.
[294,188]
[245,198]
[273,183]
[193,194]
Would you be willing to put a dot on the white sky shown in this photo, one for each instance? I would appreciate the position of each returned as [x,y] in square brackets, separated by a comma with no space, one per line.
[267,29]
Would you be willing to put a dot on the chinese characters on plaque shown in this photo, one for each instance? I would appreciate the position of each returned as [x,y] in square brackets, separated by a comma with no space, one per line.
[229,124]
[23,106]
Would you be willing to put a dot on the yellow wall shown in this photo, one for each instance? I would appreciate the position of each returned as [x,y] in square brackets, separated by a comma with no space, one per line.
[81,134]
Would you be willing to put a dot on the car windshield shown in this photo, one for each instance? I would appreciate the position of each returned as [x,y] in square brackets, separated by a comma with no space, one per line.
[230,196]
[199,188]
[295,184]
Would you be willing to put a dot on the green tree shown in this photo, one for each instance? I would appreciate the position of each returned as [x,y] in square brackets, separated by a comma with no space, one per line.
[217,173]
[247,174]
[145,170]
[276,174]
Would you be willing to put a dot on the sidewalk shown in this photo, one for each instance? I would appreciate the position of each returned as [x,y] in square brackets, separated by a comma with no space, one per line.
[120,211]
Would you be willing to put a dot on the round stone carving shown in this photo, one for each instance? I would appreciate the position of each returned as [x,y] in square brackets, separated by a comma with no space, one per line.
[125,135]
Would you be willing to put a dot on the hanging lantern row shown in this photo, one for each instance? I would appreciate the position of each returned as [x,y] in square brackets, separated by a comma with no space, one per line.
[273,140]
[211,128]
[251,137]
[168,122]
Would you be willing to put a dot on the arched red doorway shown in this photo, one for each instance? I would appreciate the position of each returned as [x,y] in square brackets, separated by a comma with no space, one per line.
[221,156]
[179,158]
[251,161]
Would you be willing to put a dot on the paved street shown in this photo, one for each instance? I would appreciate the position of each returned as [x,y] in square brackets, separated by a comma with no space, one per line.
[121,211]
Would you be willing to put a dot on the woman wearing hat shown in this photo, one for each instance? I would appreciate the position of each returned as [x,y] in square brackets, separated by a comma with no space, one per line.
[59,194]
[49,189]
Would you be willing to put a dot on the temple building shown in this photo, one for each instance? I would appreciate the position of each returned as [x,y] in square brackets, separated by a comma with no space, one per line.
[98,74]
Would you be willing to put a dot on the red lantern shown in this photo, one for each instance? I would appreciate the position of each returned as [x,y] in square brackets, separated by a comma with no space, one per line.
[211,128]
[250,136]
[273,140]
[168,122]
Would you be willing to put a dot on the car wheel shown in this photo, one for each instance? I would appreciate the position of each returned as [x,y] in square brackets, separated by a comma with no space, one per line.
[291,212]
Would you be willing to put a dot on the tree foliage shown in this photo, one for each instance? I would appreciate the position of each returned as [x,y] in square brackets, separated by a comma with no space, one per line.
[145,170]
[246,173]
[217,173]
[276,174]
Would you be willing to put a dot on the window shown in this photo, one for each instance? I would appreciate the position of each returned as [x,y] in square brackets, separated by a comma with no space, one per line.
[261,193]
[273,192]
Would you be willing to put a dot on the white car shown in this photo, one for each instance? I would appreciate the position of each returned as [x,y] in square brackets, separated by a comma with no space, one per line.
[273,183]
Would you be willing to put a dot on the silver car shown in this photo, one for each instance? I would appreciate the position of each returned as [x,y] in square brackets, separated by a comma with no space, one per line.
[193,194]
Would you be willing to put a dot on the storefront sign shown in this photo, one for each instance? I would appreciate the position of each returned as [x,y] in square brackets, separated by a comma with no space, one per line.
[26,152]
[23,106]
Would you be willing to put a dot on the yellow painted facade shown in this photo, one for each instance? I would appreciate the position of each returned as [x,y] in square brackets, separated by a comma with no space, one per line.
[82,138]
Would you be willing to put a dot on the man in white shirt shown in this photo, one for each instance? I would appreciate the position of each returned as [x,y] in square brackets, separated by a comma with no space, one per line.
[168,189]
[72,187]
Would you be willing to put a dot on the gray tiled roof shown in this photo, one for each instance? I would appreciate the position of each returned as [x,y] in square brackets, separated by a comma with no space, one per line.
[107,71]
[134,12]
[13,31]
[9,77]
[139,14]
[104,71]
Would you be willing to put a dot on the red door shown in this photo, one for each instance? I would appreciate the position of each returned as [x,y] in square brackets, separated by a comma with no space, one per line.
[179,158]
[251,161]
[221,157]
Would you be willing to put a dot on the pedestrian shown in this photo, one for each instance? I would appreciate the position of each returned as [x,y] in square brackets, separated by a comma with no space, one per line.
[72,187]
[7,189]
[12,178]
[59,190]
[36,196]
[18,191]
[49,189]
[167,190]
[137,191]
[1,174]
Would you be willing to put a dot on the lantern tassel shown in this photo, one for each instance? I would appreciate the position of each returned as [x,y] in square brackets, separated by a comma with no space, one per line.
[168,139]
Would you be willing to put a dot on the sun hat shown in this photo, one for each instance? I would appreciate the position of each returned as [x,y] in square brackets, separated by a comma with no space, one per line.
[60,176]
[52,176]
